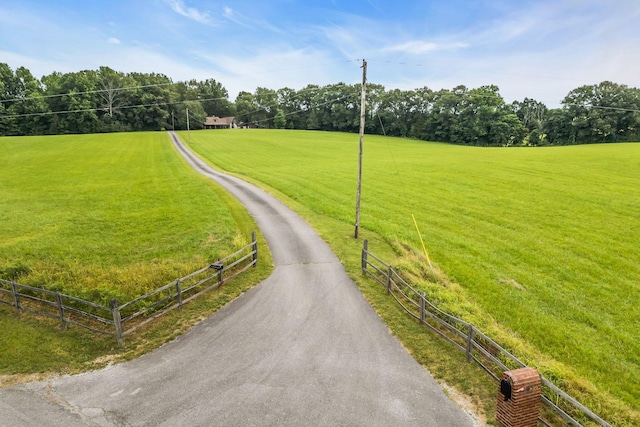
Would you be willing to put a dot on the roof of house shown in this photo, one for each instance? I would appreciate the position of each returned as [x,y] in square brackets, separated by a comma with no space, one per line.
[219,121]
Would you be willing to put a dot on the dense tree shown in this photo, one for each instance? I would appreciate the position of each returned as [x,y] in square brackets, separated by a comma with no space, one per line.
[291,108]
[103,101]
[150,100]
[75,103]
[305,98]
[213,96]
[112,97]
[397,112]
[280,120]
[22,98]
[440,112]
[606,112]
[266,102]
[557,127]
[533,116]
[484,119]
[7,95]
[245,107]
[106,100]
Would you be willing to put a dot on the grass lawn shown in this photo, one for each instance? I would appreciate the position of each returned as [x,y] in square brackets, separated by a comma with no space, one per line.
[538,247]
[103,216]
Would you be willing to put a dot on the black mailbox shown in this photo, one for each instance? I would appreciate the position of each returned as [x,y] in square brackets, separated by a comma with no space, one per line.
[505,389]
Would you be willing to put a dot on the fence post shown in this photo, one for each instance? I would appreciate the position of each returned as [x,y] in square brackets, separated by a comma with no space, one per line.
[470,341]
[389,282]
[179,294]
[16,297]
[117,321]
[422,307]
[61,311]
[254,248]
[365,250]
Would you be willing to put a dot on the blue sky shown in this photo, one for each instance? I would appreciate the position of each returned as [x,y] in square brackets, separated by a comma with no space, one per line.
[539,49]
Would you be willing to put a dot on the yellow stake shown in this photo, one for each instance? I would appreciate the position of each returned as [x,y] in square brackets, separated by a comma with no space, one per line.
[422,241]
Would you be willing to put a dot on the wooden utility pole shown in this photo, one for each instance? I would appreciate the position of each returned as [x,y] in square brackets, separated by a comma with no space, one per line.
[188,132]
[362,104]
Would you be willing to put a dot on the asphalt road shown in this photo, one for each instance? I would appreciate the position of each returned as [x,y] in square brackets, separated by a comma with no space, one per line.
[301,348]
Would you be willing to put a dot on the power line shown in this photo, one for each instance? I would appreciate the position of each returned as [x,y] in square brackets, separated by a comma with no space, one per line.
[605,108]
[149,85]
[297,95]
[299,111]
[155,104]
[57,95]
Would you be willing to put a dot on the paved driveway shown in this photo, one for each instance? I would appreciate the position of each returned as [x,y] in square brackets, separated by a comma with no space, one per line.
[301,348]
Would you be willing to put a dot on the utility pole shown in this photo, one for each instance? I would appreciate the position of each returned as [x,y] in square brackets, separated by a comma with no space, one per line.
[362,104]
[188,132]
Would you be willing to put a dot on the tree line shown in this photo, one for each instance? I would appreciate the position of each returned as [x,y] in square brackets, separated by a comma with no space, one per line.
[105,100]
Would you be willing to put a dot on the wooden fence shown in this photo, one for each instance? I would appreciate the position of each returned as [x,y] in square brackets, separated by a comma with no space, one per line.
[120,320]
[477,346]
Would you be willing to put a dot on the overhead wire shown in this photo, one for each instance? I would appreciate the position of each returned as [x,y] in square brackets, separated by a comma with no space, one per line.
[71,93]
[297,95]
[57,95]
[154,104]
[298,92]
[515,74]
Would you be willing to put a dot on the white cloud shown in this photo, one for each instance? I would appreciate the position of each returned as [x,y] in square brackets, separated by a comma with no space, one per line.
[539,52]
[351,41]
[247,22]
[535,51]
[179,7]
[417,47]
[37,67]
[294,68]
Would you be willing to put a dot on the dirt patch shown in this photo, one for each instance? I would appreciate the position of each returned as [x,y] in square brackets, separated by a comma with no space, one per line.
[14,379]
[512,283]
[464,402]
[104,360]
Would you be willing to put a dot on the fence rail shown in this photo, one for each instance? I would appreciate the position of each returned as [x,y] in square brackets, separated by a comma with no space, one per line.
[477,346]
[120,320]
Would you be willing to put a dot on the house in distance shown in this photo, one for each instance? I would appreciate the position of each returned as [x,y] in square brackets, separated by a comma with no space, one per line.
[215,122]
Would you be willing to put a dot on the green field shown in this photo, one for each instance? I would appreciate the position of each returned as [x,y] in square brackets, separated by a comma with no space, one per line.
[98,217]
[544,243]
[94,210]
[537,247]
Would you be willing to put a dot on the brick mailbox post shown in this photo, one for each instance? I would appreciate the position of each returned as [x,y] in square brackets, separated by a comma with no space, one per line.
[519,398]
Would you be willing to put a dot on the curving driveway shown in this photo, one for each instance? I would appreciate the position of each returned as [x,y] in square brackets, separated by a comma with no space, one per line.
[301,348]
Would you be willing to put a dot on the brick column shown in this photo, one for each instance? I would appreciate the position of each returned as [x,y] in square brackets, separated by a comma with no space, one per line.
[519,398]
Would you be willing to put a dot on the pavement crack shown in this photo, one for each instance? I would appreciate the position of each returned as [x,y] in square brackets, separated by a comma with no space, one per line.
[116,419]
[89,416]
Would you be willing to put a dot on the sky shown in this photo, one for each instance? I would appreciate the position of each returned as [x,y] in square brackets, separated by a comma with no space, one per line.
[539,49]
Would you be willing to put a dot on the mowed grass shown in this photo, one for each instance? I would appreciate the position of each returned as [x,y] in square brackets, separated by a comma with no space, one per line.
[90,212]
[100,217]
[539,247]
